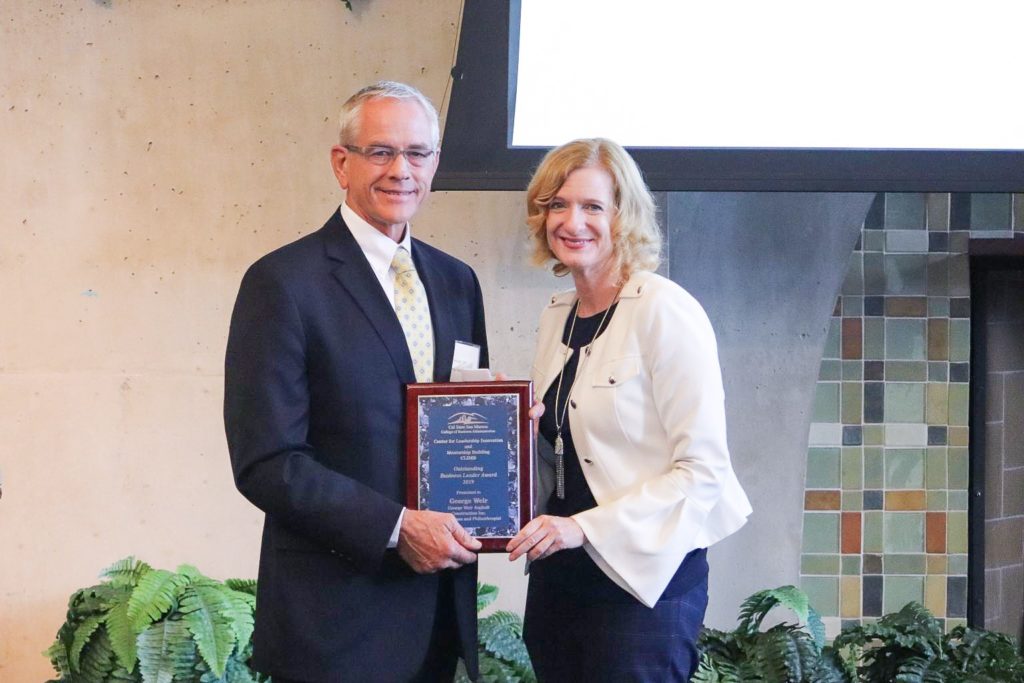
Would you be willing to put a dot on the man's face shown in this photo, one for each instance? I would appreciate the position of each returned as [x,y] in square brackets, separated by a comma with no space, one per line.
[387,196]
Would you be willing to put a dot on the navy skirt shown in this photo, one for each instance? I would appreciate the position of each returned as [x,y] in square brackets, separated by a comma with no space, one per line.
[580,626]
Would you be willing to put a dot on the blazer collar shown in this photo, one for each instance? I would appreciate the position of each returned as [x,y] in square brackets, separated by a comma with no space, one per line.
[634,288]
[354,273]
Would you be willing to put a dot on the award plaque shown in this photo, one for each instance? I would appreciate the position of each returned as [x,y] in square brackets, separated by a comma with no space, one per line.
[469,451]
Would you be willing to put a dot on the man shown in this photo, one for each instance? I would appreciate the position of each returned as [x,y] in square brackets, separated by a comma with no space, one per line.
[324,334]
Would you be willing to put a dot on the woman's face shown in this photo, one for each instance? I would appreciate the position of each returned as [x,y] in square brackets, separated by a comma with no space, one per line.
[579,222]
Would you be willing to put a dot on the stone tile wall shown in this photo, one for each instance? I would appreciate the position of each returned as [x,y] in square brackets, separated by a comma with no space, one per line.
[885,509]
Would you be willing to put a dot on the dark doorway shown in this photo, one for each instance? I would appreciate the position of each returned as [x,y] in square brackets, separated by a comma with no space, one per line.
[996,571]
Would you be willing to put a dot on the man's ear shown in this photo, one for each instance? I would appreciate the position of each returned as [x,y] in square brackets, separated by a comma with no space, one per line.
[339,156]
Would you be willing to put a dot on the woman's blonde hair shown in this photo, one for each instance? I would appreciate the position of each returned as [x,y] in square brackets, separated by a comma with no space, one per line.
[636,239]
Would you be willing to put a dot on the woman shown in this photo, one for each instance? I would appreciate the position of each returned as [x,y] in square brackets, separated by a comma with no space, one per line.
[634,474]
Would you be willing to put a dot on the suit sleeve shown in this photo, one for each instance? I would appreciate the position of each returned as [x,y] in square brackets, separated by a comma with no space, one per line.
[266,415]
[643,535]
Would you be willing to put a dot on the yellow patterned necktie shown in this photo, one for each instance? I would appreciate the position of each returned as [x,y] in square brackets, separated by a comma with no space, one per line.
[414,315]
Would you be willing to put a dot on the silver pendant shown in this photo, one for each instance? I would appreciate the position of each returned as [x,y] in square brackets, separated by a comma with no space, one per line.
[559,466]
[560,476]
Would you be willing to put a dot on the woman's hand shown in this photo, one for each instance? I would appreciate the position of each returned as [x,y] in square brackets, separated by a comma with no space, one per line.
[545,535]
[536,410]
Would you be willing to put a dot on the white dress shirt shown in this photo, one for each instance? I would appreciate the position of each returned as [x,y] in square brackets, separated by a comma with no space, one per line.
[378,248]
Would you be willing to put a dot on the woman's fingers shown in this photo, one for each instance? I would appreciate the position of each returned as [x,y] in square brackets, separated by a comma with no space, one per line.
[545,535]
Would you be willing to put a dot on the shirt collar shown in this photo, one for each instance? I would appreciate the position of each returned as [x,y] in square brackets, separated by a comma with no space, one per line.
[378,248]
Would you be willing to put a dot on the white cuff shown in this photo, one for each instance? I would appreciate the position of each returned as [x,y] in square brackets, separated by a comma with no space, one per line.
[393,541]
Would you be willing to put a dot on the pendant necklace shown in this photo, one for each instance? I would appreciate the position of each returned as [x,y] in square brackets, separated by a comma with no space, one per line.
[560,417]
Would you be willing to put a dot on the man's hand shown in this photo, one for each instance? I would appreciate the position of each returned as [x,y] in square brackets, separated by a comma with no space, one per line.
[432,541]
[545,535]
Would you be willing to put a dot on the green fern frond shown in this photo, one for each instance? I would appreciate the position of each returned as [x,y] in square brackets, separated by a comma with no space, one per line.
[126,572]
[501,634]
[985,654]
[191,573]
[756,607]
[239,614]
[247,586]
[166,652]
[97,599]
[717,670]
[831,668]
[204,610]
[154,597]
[777,655]
[460,673]
[495,671]
[501,621]
[58,656]
[706,672]
[910,670]
[83,634]
[122,636]
[248,598]
[485,595]
[239,672]
[816,627]
[97,660]
[121,675]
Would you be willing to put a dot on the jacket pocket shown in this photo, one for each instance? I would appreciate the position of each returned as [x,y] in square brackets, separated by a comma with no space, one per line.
[615,373]
[618,401]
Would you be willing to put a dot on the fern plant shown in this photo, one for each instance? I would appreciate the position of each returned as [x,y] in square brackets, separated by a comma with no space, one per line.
[152,625]
[785,652]
[909,646]
[502,653]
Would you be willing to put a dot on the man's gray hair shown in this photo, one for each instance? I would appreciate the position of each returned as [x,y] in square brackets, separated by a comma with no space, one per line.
[348,120]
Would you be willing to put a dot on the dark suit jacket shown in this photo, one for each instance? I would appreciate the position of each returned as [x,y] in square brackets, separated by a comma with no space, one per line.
[313,408]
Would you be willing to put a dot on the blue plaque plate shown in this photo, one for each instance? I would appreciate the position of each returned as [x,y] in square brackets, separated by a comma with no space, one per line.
[471,454]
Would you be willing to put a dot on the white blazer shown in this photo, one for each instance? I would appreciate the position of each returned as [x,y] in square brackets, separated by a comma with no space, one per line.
[647,416]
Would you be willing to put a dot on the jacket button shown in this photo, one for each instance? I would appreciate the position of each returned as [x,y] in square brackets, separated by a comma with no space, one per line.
[572,403]
[611,380]
[552,299]
[588,461]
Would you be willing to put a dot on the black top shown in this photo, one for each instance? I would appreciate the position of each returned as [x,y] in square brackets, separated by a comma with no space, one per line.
[572,572]
[577,494]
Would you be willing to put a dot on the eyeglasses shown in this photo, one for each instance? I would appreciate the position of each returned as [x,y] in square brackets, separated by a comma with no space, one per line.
[385,156]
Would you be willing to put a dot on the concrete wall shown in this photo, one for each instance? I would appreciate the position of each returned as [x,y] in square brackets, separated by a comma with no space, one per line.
[767,267]
[152,150]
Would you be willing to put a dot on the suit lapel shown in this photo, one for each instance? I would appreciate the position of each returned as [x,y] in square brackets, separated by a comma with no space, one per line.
[354,274]
[438,296]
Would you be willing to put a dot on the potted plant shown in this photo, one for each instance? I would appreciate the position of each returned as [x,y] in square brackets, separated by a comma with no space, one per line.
[784,652]
[910,646]
[149,625]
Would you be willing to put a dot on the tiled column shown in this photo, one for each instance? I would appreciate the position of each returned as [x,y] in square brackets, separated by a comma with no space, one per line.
[885,518]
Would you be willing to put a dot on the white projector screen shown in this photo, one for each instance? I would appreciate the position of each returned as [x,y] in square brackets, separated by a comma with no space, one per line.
[795,74]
